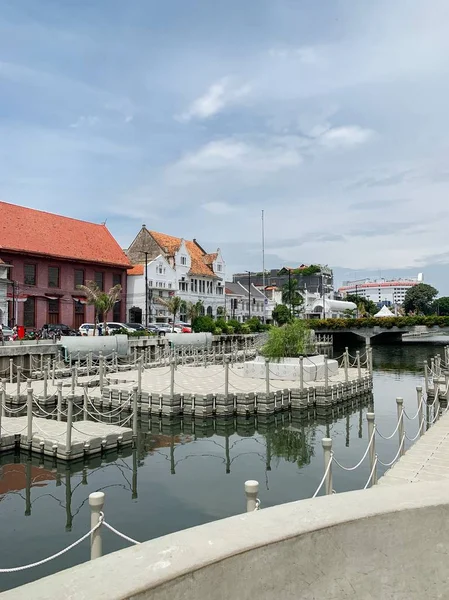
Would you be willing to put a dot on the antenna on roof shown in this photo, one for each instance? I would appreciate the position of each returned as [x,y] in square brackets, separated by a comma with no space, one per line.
[104,222]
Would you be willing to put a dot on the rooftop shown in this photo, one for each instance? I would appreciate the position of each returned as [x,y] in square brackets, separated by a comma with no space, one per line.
[201,262]
[29,231]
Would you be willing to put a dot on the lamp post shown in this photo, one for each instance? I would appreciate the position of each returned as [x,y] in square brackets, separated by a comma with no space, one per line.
[146,289]
[357,300]
[249,295]
[290,291]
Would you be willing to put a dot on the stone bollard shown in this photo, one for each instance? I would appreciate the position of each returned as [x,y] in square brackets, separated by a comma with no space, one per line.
[45,394]
[11,370]
[3,400]
[346,363]
[85,401]
[426,376]
[226,374]
[301,373]
[267,376]
[359,366]
[19,372]
[101,370]
[326,374]
[327,451]
[400,410]
[172,379]
[135,392]
[251,493]
[96,503]
[59,393]
[372,451]
[420,410]
[68,436]
[29,414]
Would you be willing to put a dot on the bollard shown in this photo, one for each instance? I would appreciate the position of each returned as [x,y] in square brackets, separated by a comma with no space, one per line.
[135,355]
[251,493]
[370,359]
[96,503]
[68,437]
[19,371]
[73,380]
[327,450]
[59,393]
[29,413]
[359,367]
[85,401]
[3,407]
[426,376]
[372,451]
[400,409]
[301,373]
[346,362]
[420,410]
[41,368]
[436,400]
[135,414]
[326,374]
[139,375]
[226,382]
[53,372]
[101,370]
[11,370]
[432,366]
[45,382]
[267,376]
[172,379]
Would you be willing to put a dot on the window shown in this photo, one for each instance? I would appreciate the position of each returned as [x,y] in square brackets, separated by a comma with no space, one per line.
[79,314]
[116,311]
[161,293]
[30,274]
[116,279]
[53,311]
[98,278]
[160,270]
[183,260]
[29,313]
[219,268]
[53,277]
[78,277]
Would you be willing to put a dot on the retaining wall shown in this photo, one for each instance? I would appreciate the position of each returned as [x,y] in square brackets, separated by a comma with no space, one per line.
[381,543]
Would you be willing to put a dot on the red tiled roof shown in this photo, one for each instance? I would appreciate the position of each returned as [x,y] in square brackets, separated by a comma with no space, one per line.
[31,231]
[171,244]
[136,270]
[209,258]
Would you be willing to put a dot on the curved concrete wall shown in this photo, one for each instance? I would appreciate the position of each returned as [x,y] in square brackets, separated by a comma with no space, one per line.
[384,543]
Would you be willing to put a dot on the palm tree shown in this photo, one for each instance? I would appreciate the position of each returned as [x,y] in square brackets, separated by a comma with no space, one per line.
[102,301]
[173,306]
[291,296]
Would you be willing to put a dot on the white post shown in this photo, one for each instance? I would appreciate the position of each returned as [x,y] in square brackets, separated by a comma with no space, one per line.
[96,503]
[101,370]
[359,368]
[68,437]
[114,359]
[85,401]
[29,413]
[45,382]
[226,382]
[135,355]
[11,370]
[326,374]
[267,376]
[59,385]
[135,391]
[19,370]
[346,359]
[251,493]
[139,375]
[53,373]
[420,410]
[172,379]
[301,373]
[3,411]
[327,450]
[426,376]
[400,409]
[372,451]
[73,379]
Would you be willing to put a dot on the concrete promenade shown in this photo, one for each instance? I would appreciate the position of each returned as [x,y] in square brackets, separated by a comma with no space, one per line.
[426,460]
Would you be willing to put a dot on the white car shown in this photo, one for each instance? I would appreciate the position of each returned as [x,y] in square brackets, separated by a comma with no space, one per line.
[86,329]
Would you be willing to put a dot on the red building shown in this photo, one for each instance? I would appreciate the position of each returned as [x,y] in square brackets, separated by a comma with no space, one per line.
[48,256]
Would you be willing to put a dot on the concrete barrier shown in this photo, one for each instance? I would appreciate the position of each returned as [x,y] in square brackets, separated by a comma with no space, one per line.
[385,542]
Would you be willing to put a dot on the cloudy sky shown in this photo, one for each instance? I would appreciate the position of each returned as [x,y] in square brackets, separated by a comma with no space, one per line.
[192,116]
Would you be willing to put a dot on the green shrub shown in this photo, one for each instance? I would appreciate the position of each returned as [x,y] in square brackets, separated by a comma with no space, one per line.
[220,322]
[217,331]
[203,324]
[228,330]
[254,324]
[291,340]
[236,325]
[387,322]
[245,329]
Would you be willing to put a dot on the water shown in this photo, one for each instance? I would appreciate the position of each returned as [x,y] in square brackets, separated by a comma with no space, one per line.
[186,474]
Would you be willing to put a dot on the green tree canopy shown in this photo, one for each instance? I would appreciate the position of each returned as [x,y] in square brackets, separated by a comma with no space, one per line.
[173,305]
[420,299]
[289,341]
[281,314]
[102,301]
[291,296]
[365,306]
[441,306]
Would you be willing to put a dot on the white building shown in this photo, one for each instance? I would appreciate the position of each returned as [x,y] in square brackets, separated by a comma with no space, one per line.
[381,291]
[242,304]
[3,292]
[172,266]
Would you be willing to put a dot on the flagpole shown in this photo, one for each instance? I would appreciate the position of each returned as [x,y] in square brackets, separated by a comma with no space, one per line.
[263,265]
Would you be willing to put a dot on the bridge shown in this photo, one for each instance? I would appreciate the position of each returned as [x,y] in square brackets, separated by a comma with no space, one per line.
[381,334]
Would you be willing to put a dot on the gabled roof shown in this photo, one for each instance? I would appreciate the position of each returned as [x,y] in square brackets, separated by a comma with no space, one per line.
[171,245]
[209,258]
[136,270]
[30,231]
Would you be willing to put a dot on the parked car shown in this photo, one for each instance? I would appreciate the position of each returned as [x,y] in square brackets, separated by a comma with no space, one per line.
[86,329]
[59,329]
[135,326]
[111,326]
[185,327]
[8,333]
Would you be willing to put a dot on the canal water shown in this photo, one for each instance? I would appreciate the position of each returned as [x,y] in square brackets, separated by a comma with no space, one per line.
[187,473]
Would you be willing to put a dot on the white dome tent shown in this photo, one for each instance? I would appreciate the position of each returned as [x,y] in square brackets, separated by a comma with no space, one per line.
[384,312]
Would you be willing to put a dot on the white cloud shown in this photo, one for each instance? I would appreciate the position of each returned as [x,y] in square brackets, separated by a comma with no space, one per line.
[220,95]
[218,208]
[345,137]
[85,121]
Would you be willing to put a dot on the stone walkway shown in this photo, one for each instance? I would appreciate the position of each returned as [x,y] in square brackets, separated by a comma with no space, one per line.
[426,460]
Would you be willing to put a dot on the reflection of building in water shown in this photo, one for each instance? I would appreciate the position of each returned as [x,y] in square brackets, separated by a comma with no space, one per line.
[13,477]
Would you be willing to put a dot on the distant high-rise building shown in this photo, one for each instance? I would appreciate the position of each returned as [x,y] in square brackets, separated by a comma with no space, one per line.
[389,292]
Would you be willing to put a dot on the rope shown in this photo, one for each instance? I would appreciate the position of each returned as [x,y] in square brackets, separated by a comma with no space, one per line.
[122,535]
[396,457]
[58,554]
[417,412]
[394,432]
[324,476]
[363,457]
[372,472]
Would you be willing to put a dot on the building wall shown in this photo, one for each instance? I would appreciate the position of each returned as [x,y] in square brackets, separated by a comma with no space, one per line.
[382,292]
[66,289]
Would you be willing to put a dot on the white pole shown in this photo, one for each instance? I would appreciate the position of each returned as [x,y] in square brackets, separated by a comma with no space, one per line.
[346,365]
[11,370]
[3,411]
[226,381]
[267,376]
[96,503]
[172,379]
[73,379]
[400,405]
[19,370]
[29,413]
[135,391]
[100,370]
[426,376]
[327,450]
[59,386]
[251,493]
[359,368]
[301,373]
[85,401]
[68,437]
[139,375]
[420,410]
[372,451]
[45,382]
[326,373]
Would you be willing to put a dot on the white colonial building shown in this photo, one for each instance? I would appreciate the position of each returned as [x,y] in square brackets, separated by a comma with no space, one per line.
[243,303]
[172,266]
[3,292]
[389,292]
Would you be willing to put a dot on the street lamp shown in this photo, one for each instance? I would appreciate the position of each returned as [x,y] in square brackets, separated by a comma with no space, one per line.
[249,294]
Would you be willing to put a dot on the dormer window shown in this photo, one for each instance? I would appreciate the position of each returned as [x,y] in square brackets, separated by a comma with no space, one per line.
[219,268]
[183,260]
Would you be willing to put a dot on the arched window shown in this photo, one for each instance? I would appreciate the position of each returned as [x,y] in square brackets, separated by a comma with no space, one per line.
[135,315]
[209,311]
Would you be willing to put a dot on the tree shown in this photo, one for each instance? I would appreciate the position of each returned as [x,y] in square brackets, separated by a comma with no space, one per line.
[365,306]
[103,302]
[291,296]
[281,314]
[173,305]
[441,306]
[289,341]
[420,299]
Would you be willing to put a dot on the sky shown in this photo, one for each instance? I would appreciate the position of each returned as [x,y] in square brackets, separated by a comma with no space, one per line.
[193,116]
